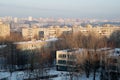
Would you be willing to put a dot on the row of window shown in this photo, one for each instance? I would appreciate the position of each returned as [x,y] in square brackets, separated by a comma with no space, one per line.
[65,62]
[66,56]
[62,56]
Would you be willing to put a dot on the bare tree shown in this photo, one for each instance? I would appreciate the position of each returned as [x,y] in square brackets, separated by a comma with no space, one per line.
[114,39]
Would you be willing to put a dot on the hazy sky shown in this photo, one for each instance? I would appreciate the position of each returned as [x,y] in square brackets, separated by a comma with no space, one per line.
[61,8]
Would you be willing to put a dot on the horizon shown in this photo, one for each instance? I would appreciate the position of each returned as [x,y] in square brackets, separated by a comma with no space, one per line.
[95,9]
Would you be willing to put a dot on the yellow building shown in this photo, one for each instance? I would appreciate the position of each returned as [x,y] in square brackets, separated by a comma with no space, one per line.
[98,30]
[56,31]
[30,33]
[4,30]
[45,33]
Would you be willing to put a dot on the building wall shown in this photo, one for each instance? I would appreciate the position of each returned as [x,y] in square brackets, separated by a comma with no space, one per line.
[50,32]
[4,30]
[101,31]
[66,60]
[56,31]
[30,33]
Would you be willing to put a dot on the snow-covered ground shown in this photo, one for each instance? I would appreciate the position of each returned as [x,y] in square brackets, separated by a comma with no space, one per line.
[20,75]
[65,76]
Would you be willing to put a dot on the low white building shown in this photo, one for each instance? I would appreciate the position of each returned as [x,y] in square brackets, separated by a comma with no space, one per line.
[66,59]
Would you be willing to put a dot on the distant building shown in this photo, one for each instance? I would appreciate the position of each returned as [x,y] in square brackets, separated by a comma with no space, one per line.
[30,33]
[55,31]
[44,33]
[98,30]
[4,30]
[15,20]
[30,18]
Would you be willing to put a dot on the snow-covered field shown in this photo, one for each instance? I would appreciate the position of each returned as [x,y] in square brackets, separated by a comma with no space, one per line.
[20,75]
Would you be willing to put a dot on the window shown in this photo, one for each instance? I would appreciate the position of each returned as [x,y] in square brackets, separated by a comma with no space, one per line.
[117,52]
[112,67]
[70,62]
[62,68]
[114,61]
[62,55]
[41,34]
[61,62]
[71,56]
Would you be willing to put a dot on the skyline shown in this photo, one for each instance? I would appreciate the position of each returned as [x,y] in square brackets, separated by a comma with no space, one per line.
[101,9]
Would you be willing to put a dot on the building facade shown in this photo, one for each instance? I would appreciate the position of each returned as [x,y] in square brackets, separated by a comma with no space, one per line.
[98,30]
[56,31]
[44,33]
[66,60]
[4,30]
[30,33]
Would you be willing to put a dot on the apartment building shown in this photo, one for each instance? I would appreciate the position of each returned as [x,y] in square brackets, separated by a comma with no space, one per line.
[45,33]
[56,31]
[30,33]
[4,30]
[98,30]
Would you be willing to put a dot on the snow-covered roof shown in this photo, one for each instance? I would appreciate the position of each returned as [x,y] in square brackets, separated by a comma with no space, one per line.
[82,49]
[116,52]
[36,41]
[117,49]
[26,42]
[51,39]
[73,50]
